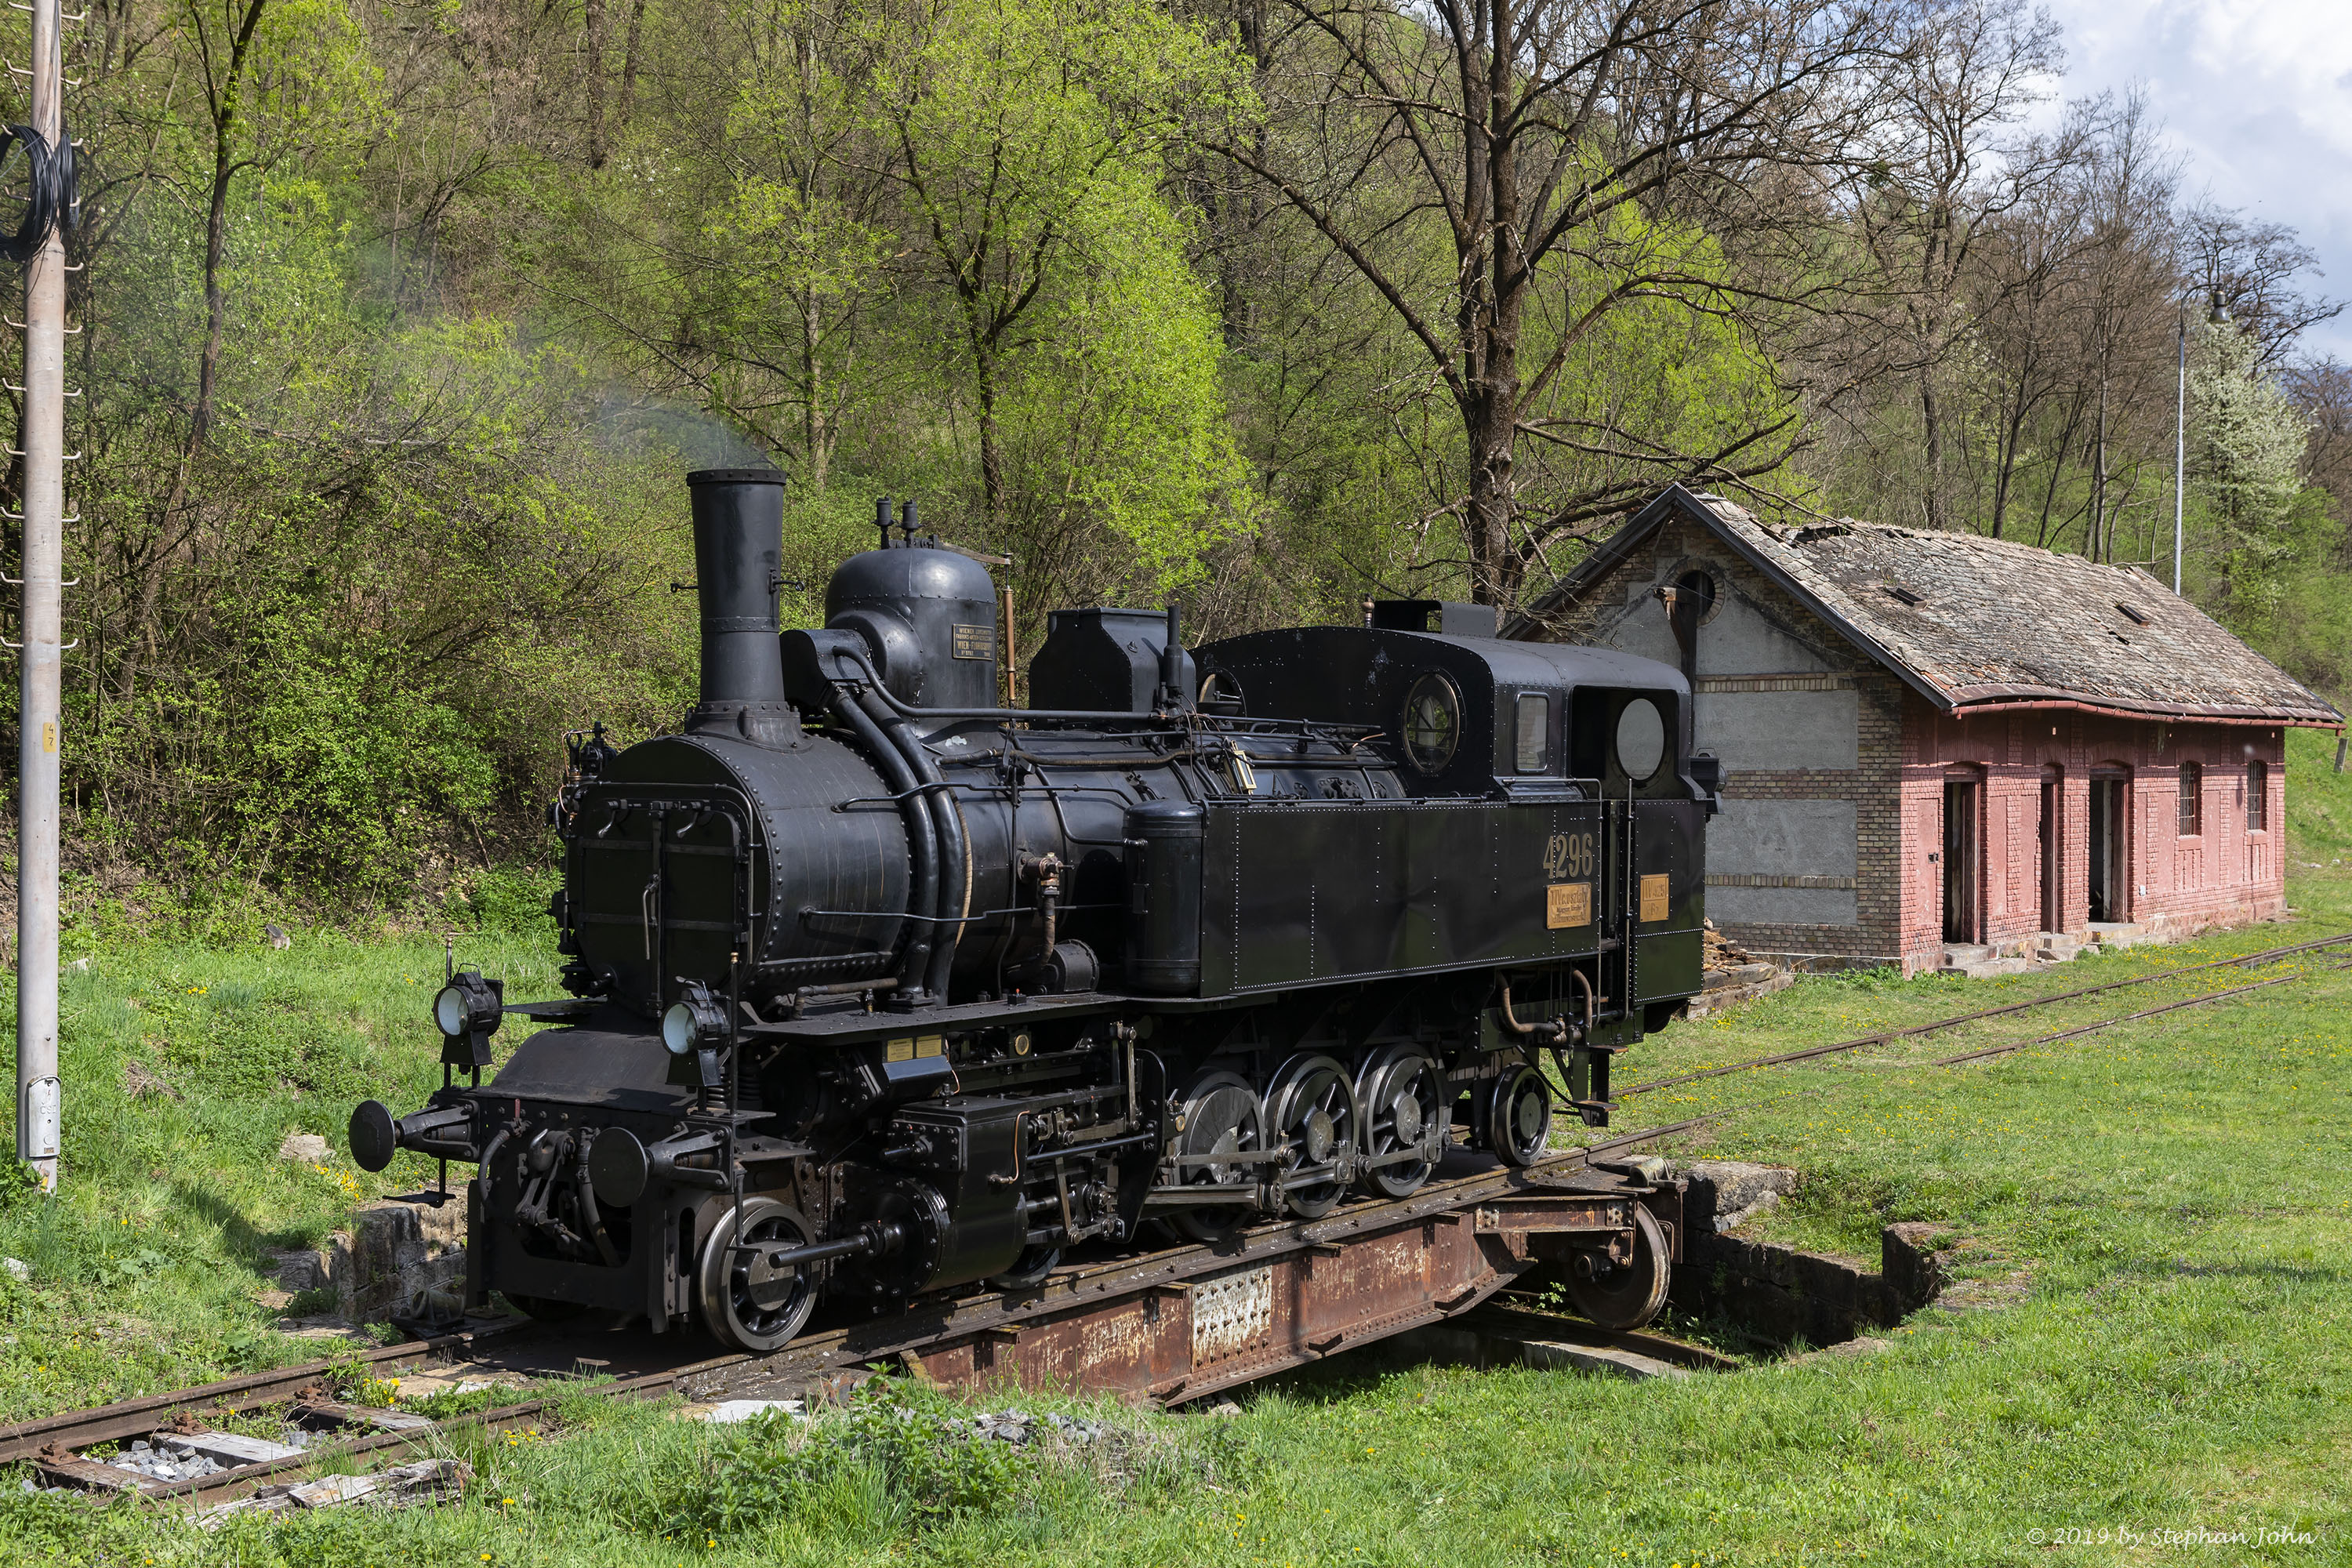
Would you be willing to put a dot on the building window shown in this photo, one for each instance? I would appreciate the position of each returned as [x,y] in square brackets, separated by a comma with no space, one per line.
[2192,799]
[2258,796]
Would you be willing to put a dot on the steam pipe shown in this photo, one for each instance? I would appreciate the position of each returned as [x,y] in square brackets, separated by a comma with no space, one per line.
[948,825]
[923,844]
[1060,715]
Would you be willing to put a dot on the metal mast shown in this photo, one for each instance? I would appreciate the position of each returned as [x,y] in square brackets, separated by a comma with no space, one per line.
[2179,449]
[41,722]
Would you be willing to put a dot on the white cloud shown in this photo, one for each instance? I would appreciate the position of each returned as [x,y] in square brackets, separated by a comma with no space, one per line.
[2258,93]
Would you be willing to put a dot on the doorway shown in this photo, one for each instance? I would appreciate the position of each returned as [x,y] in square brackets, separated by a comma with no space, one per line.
[2053,809]
[1961,860]
[2110,850]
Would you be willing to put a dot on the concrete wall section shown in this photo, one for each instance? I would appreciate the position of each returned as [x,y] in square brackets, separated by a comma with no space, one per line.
[1783,862]
[1753,626]
[1783,837]
[1808,729]
[1778,729]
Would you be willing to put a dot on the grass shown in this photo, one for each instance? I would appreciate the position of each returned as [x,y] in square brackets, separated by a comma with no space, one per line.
[2162,1207]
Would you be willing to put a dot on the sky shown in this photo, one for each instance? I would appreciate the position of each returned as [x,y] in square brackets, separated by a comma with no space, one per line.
[2257,94]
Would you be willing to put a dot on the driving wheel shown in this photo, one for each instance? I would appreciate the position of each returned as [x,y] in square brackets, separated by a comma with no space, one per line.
[1315,1125]
[1222,1116]
[748,1301]
[1630,1294]
[1403,1099]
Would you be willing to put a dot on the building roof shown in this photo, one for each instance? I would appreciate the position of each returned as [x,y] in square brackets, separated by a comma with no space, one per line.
[1975,623]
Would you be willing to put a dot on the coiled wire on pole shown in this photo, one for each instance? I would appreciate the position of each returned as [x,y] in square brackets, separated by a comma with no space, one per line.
[51,198]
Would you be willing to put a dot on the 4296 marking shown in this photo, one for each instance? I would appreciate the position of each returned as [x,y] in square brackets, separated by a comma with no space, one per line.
[1568,854]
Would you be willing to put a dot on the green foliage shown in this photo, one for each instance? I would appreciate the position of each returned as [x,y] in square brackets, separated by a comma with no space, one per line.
[2252,528]
[892,1460]
[20,1186]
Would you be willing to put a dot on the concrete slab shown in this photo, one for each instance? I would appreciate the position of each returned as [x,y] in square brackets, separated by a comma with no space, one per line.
[727,1412]
[230,1448]
[1604,1360]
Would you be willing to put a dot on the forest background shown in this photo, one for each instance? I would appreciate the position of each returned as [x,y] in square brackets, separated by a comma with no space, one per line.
[399,321]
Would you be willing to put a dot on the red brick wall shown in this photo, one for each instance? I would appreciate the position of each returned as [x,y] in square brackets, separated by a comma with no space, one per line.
[2222,875]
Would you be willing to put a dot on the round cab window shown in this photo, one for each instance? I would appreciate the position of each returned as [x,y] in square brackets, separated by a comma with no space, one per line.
[1433,722]
[1640,739]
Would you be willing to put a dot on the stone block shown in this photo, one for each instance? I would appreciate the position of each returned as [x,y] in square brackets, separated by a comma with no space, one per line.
[1724,1193]
[1777,1294]
[1911,1263]
[394,1253]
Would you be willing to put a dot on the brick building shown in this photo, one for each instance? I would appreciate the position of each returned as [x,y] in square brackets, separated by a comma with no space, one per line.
[1939,747]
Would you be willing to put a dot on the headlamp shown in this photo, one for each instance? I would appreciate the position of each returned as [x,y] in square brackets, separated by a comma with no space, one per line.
[695,1021]
[467,1012]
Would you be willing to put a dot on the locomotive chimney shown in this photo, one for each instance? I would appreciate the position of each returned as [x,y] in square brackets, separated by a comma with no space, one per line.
[739,538]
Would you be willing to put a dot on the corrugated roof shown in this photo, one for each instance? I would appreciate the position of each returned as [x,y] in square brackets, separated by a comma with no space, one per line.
[1971,621]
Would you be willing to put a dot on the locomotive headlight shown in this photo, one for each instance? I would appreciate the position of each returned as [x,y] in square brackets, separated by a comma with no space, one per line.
[695,1021]
[468,1005]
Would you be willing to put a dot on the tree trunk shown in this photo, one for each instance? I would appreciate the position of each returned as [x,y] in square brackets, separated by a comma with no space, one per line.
[815,438]
[1931,417]
[991,462]
[224,166]
[2103,547]
[629,66]
[595,82]
[223,106]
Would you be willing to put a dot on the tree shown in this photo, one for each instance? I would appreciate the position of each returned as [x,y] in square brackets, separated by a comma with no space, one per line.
[2249,440]
[2249,270]
[1507,172]
[1032,139]
[1950,169]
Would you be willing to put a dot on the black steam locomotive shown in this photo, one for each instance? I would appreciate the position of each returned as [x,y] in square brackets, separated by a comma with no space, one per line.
[881,989]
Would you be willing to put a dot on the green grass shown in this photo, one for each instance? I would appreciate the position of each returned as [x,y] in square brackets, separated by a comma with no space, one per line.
[2163,1205]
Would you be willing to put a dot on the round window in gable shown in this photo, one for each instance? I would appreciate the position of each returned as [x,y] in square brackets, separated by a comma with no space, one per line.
[1640,739]
[1433,722]
[1698,590]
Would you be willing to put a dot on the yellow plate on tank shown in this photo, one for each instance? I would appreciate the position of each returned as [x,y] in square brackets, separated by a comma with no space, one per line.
[1568,905]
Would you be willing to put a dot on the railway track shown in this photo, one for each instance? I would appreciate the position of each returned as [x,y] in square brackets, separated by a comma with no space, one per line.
[1170,1326]
[1889,1037]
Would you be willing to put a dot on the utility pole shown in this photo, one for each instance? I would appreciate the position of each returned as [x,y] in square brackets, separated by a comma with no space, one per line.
[2179,449]
[39,1109]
